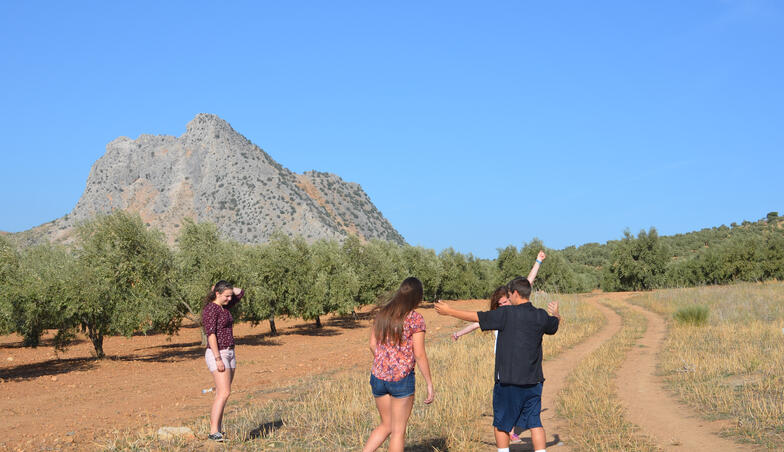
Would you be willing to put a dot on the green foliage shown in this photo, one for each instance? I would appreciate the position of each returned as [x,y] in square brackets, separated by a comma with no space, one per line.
[378,266]
[282,269]
[425,265]
[637,263]
[557,274]
[47,274]
[122,281]
[462,276]
[333,283]
[203,259]
[10,283]
[692,314]
[34,291]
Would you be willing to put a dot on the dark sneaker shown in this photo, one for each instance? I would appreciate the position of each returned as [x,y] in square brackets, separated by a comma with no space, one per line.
[217,437]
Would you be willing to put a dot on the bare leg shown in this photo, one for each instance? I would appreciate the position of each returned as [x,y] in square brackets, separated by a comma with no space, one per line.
[501,438]
[222,392]
[380,433]
[538,438]
[231,380]
[401,411]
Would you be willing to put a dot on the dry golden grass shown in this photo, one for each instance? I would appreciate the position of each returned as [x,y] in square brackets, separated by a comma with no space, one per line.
[588,402]
[336,412]
[732,367]
[580,321]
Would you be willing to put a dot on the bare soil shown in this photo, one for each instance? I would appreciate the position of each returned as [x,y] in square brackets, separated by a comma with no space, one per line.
[70,400]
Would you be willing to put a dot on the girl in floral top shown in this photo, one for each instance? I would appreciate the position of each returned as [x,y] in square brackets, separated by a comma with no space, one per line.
[397,342]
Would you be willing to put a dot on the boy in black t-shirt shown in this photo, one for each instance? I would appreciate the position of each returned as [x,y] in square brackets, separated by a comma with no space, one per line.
[517,394]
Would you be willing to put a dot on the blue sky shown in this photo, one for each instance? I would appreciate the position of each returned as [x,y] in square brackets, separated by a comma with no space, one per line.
[470,124]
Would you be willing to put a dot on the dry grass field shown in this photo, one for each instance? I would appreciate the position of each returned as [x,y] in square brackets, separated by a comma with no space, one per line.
[336,412]
[589,403]
[732,366]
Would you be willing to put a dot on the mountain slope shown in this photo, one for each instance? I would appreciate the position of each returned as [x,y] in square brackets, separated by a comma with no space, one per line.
[212,173]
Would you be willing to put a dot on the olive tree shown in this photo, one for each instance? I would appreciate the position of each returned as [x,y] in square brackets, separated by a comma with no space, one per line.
[9,283]
[637,263]
[377,264]
[123,279]
[333,285]
[424,264]
[202,259]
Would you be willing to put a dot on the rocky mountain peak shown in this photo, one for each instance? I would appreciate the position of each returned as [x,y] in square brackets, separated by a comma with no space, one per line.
[213,173]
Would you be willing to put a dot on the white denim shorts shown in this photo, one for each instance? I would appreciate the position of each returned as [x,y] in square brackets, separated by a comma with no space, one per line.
[227,356]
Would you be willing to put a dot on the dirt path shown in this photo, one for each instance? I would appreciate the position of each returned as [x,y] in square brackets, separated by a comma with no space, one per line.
[673,425]
[556,371]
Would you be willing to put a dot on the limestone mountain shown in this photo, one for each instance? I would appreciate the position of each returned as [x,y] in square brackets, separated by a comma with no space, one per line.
[212,173]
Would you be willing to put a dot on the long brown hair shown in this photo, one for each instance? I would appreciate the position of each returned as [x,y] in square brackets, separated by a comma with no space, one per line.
[388,327]
[499,293]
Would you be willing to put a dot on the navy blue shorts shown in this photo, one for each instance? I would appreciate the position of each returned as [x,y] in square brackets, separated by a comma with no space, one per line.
[517,406]
[397,389]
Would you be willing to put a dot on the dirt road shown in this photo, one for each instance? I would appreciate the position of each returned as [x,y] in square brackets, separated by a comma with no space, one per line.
[649,405]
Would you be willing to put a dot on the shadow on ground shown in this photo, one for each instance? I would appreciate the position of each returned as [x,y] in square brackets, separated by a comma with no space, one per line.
[527,445]
[428,445]
[264,429]
[47,368]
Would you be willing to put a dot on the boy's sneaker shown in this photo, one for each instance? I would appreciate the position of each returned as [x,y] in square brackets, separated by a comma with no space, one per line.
[513,438]
[217,437]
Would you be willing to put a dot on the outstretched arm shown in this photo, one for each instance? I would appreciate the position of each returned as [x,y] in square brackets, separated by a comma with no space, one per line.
[444,309]
[535,269]
[472,327]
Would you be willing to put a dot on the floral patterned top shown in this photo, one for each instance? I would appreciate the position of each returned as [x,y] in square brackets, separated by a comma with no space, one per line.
[218,320]
[395,362]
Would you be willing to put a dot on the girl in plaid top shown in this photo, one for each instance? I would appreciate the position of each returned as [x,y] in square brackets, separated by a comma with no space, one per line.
[397,342]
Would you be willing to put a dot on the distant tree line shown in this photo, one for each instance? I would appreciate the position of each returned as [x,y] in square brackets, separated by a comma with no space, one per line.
[120,277]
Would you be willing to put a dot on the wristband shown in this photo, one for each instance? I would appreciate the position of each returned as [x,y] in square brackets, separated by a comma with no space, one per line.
[538,261]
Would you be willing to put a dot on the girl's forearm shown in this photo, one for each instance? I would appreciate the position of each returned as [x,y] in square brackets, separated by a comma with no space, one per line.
[468,329]
[424,367]
[212,341]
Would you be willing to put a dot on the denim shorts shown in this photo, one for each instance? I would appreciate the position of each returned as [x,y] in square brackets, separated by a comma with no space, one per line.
[517,406]
[397,389]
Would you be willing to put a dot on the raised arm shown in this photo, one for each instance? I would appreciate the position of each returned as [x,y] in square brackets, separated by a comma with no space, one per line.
[535,269]
[236,296]
[472,327]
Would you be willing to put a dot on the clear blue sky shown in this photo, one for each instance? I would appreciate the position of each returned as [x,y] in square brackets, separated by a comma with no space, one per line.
[470,124]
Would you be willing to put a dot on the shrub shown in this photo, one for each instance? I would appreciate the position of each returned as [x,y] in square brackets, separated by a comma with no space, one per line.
[694,315]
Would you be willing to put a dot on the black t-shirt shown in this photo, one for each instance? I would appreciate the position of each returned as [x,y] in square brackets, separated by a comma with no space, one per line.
[518,356]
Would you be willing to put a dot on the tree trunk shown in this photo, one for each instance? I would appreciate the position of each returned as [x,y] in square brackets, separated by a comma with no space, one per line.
[203,337]
[318,322]
[96,337]
[273,330]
